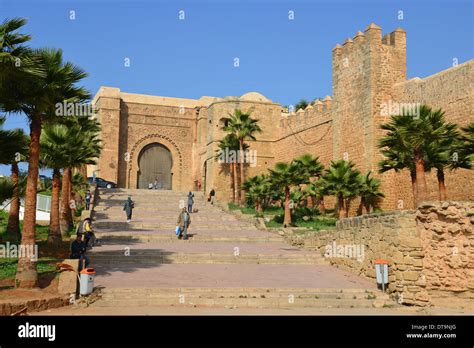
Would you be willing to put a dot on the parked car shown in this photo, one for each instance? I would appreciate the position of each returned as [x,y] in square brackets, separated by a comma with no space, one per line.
[102,182]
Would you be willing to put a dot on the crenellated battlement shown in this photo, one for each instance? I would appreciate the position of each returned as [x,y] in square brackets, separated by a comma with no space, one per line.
[302,119]
[372,36]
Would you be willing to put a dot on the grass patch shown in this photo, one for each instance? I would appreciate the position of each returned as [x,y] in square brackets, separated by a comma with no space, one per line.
[48,256]
[233,206]
[272,210]
[8,267]
[316,223]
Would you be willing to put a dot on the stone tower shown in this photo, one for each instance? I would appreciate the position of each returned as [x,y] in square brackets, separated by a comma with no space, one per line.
[364,69]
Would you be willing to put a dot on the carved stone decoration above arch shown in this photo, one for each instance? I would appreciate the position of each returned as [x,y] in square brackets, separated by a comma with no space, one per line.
[133,167]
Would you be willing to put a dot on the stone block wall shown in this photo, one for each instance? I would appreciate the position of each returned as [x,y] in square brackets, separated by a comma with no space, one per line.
[447,236]
[310,131]
[392,237]
[430,251]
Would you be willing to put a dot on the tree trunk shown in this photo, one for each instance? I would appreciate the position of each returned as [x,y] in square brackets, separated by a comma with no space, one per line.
[13,226]
[368,205]
[236,184]
[232,181]
[83,170]
[54,234]
[321,206]
[340,206]
[66,216]
[72,197]
[360,209]
[26,274]
[347,206]
[413,185]
[287,218]
[441,184]
[242,172]
[421,191]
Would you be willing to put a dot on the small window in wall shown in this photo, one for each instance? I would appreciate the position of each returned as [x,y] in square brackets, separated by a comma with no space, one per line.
[223,122]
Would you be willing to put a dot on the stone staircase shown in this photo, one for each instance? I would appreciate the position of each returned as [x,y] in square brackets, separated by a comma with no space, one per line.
[227,262]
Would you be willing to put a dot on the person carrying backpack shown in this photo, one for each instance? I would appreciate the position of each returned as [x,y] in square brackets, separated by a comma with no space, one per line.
[85,228]
[128,208]
[184,220]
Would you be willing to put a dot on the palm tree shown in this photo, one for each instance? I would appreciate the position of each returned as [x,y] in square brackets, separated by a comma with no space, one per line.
[317,190]
[53,155]
[6,189]
[341,180]
[243,127]
[286,175]
[36,96]
[83,149]
[312,168]
[310,165]
[17,60]
[302,104]
[369,192]
[258,190]
[417,138]
[14,145]
[67,145]
[468,141]
[447,154]
[230,144]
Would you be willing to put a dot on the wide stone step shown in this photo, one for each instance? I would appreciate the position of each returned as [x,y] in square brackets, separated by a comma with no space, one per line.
[240,297]
[168,237]
[170,226]
[122,191]
[205,258]
[156,203]
[157,213]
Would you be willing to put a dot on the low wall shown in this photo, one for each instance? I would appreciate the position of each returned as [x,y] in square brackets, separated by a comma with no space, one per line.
[430,251]
[447,235]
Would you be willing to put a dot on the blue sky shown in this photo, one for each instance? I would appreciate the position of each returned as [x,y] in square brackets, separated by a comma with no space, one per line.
[284,60]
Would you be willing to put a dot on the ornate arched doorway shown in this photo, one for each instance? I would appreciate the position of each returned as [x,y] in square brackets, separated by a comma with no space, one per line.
[155,163]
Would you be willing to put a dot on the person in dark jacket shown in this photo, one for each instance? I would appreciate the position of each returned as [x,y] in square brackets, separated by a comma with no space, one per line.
[212,196]
[190,201]
[128,208]
[78,251]
[88,199]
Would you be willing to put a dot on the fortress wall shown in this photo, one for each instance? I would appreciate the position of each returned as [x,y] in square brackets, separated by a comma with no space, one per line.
[268,115]
[107,102]
[452,91]
[306,132]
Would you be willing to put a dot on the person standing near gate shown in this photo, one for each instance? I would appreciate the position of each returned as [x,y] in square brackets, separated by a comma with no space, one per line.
[190,202]
[212,196]
[128,208]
